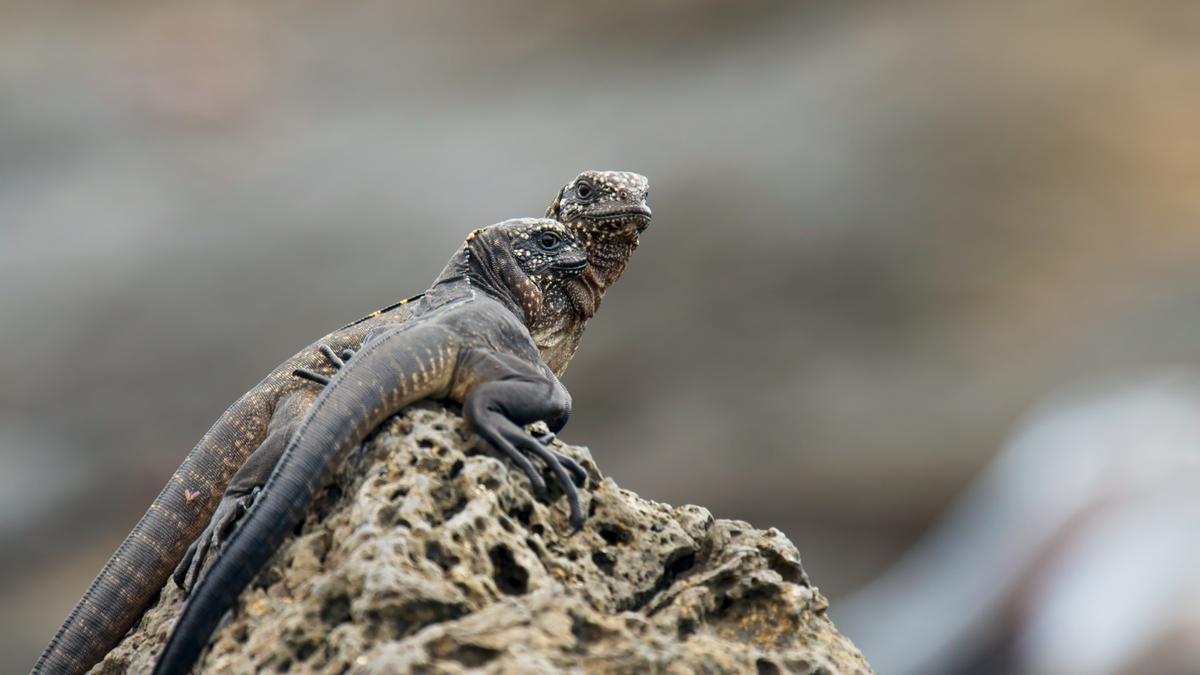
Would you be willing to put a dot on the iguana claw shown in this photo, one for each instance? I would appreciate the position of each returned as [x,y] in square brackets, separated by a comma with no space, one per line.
[335,360]
[577,471]
[514,442]
[547,438]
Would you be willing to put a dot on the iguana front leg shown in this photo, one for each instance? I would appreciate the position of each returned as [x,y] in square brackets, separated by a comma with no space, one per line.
[490,412]
[512,396]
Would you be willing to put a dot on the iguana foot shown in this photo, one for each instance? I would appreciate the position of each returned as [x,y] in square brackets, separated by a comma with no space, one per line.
[514,440]
[504,413]
[335,360]
[536,483]
[224,520]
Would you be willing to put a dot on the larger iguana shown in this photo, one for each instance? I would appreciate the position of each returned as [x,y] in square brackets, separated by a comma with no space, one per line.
[468,342]
[606,209]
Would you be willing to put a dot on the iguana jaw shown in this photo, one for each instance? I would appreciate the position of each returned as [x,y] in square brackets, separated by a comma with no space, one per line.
[609,244]
[610,236]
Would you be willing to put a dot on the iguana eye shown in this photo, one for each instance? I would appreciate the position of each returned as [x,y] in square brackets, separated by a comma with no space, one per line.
[583,190]
[548,240]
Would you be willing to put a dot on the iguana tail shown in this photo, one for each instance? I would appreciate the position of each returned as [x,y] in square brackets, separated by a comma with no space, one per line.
[135,574]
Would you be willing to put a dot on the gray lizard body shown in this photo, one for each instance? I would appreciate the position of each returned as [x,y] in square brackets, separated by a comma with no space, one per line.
[468,342]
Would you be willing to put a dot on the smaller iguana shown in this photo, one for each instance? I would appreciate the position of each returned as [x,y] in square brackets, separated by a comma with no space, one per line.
[470,342]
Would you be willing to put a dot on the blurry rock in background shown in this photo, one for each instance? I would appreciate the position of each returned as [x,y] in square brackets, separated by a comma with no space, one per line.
[1074,552]
[881,231]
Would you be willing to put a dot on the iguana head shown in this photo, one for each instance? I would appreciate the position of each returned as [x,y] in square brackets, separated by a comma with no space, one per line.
[546,251]
[520,262]
[604,204]
[607,211]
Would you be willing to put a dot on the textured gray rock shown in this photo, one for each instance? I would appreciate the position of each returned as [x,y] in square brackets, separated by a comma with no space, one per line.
[435,558]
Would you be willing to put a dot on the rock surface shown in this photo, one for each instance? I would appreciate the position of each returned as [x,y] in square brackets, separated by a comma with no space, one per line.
[435,558]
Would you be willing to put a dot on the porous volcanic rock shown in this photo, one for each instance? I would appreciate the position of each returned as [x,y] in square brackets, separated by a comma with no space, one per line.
[433,557]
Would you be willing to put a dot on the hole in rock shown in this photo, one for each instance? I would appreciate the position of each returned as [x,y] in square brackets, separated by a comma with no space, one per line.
[767,667]
[510,577]
[604,563]
[613,534]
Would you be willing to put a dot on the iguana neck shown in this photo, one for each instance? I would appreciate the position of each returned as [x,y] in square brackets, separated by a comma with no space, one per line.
[607,257]
[558,337]
[465,273]
[608,254]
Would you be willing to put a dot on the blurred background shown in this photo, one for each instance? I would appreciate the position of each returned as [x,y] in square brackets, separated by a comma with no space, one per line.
[883,233]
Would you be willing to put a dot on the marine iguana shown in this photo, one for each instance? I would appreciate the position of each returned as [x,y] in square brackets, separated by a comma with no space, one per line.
[241,448]
[469,342]
[607,210]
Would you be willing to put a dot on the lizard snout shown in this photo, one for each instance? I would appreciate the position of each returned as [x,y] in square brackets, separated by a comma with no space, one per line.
[574,263]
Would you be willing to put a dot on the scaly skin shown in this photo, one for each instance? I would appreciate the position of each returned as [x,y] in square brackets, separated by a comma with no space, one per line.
[468,342]
[257,425]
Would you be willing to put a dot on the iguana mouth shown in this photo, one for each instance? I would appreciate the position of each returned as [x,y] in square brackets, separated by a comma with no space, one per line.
[635,215]
[573,266]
